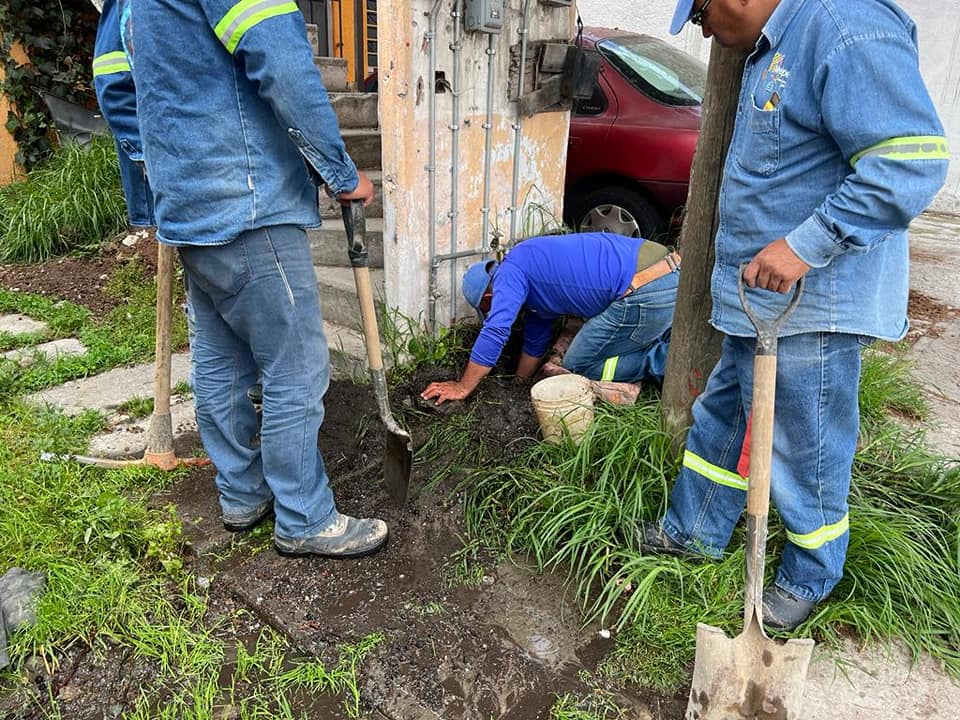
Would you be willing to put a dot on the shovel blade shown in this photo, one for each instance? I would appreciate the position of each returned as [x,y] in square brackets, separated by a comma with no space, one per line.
[397,462]
[749,676]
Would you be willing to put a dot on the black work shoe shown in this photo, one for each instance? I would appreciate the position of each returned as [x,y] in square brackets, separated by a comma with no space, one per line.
[248,519]
[784,611]
[347,537]
[654,541]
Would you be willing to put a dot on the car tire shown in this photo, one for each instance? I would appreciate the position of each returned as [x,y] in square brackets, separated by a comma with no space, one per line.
[617,210]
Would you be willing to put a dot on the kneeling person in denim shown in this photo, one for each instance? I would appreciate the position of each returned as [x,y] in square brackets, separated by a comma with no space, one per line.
[625,288]
[232,110]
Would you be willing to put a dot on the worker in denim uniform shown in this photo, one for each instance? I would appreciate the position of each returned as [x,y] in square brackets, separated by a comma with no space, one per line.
[625,288]
[836,148]
[236,122]
[117,96]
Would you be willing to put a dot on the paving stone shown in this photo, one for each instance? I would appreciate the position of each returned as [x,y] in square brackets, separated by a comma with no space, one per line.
[20,324]
[50,350]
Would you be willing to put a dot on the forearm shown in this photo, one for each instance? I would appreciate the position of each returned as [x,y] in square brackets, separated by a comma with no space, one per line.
[527,366]
[472,376]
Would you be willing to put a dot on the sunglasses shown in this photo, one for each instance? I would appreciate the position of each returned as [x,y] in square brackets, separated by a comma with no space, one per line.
[696,18]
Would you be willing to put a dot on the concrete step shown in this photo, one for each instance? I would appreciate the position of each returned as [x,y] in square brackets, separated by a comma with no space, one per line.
[330,208]
[329,243]
[363,145]
[338,294]
[356,110]
[334,73]
[348,354]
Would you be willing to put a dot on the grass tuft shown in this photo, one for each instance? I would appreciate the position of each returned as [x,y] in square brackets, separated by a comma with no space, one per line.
[574,508]
[68,204]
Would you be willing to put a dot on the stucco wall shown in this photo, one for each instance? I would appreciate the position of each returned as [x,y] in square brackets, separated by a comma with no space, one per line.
[938,24]
[404,119]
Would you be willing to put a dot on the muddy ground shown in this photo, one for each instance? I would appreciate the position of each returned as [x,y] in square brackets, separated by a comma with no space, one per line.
[505,648]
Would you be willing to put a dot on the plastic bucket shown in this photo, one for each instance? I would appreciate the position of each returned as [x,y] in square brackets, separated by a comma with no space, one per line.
[563,401]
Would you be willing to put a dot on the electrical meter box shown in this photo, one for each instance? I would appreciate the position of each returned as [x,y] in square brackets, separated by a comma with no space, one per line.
[483,15]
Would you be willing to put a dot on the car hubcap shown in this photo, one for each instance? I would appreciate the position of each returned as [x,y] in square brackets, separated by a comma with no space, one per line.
[612,219]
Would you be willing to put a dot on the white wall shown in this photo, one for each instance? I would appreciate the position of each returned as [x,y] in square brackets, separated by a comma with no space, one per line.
[938,23]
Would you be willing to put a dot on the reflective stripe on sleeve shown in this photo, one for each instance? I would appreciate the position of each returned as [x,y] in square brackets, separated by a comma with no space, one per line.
[821,536]
[609,368]
[245,15]
[111,62]
[714,473]
[919,147]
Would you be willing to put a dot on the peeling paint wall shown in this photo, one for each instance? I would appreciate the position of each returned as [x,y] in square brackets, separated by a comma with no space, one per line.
[9,170]
[404,48]
[938,29]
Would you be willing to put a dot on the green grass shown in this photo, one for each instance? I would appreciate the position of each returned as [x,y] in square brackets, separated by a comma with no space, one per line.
[125,337]
[574,509]
[70,203]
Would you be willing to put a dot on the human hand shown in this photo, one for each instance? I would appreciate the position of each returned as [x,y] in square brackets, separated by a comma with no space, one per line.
[363,191]
[446,390]
[775,268]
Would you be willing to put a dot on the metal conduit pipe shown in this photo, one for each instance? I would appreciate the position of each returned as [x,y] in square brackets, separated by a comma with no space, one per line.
[455,46]
[432,165]
[488,143]
[515,187]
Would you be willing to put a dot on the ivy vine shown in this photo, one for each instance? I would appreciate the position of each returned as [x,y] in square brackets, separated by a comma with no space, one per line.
[58,37]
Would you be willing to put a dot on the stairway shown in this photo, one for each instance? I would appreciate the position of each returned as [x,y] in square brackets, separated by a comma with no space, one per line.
[359,124]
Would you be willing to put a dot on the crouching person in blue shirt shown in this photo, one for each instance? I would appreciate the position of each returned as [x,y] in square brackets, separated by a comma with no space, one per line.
[625,288]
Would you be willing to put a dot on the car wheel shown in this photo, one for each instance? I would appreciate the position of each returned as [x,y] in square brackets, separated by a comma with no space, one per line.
[618,210]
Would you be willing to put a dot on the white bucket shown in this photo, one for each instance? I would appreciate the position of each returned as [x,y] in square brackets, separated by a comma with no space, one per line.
[563,401]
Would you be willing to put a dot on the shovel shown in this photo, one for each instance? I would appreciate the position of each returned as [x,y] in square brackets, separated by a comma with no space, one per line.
[398,450]
[753,676]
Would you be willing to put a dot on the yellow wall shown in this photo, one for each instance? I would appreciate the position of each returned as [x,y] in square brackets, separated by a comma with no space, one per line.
[9,170]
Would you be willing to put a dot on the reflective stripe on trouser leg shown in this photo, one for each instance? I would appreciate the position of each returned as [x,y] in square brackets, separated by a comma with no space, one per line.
[708,495]
[817,422]
[609,368]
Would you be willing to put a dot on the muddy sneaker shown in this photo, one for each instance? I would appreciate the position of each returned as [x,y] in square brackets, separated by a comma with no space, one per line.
[247,519]
[783,610]
[347,537]
[654,541]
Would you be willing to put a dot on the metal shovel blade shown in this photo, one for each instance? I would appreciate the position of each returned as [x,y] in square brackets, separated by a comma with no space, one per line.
[397,462]
[750,676]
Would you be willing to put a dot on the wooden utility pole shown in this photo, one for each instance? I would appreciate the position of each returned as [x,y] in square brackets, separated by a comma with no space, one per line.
[694,344]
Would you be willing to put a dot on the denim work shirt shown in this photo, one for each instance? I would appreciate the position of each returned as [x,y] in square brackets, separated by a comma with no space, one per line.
[230,106]
[837,147]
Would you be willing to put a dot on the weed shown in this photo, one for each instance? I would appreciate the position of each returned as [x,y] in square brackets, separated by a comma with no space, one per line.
[136,408]
[69,203]
[409,345]
[463,568]
[599,705]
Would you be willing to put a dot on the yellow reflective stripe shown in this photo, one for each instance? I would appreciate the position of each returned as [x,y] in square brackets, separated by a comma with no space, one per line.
[111,62]
[919,147]
[714,473]
[813,540]
[609,368]
[247,13]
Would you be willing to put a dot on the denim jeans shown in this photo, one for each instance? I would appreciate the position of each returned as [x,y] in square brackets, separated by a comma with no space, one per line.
[255,316]
[629,340]
[816,424]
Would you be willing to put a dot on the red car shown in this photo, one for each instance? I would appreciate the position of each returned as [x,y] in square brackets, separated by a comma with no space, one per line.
[631,145]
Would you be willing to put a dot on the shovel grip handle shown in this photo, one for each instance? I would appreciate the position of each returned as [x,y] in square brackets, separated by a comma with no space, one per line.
[368,316]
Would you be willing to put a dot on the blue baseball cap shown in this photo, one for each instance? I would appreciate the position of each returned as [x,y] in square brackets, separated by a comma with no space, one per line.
[477,279]
[680,16]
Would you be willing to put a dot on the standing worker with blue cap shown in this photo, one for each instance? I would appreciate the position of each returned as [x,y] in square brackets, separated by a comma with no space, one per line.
[813,187]
[626,288]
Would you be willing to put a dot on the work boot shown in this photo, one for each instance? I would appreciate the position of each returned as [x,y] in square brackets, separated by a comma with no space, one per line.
[654,541]
[346,537]
[618,393]
[784,611]
[247,519]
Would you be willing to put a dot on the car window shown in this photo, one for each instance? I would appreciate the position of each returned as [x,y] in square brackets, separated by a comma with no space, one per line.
[658,70]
